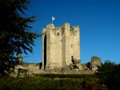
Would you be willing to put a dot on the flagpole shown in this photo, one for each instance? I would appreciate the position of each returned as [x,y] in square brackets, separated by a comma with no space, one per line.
[53,18]
[52,21]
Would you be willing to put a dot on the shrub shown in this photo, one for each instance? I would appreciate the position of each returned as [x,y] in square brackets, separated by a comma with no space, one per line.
[109,74]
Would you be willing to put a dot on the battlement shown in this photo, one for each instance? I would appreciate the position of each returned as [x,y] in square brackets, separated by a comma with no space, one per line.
[50,26]
[62,29]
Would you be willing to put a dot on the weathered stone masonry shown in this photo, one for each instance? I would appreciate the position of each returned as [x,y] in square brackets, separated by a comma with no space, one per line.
[60,45]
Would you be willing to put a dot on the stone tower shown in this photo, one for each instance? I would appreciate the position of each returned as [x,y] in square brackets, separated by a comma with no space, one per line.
[60,45]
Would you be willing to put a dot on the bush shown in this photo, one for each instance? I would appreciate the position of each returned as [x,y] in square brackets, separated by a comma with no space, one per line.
[50,82]
[109,74]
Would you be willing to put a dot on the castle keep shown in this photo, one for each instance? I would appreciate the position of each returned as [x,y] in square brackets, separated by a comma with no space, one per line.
[60,45]
[60,54]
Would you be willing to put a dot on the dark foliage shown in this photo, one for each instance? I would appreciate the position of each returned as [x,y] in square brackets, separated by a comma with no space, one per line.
[51,83]
[15,34]
[109,74]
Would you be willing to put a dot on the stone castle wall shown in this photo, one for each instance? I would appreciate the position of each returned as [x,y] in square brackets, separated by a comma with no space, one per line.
[60,45]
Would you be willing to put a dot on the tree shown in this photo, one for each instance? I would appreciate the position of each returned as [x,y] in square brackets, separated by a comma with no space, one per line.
[109,74]
[15,32]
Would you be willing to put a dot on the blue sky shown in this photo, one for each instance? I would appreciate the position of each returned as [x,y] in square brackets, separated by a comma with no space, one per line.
[99,21]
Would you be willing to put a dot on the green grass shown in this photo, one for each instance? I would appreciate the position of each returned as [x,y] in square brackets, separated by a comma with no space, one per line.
[50,82]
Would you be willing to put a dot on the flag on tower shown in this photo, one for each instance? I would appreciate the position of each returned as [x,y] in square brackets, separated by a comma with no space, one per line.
[53,18]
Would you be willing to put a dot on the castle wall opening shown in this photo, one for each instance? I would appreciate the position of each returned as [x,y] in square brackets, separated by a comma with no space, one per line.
[45,50]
